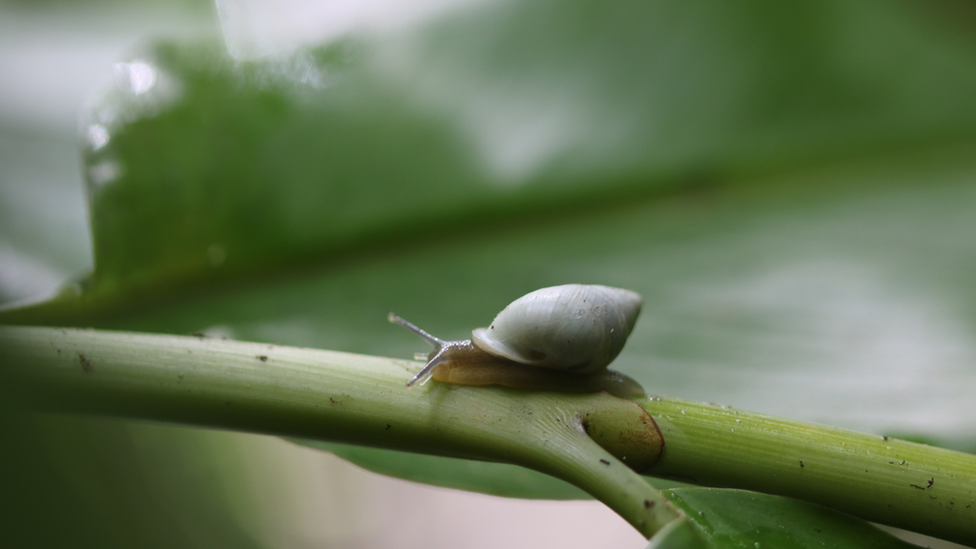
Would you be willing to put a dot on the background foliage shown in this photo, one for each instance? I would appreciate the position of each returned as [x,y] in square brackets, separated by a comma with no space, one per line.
[790,189]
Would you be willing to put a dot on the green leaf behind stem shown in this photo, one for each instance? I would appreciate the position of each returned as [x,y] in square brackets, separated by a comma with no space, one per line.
[726,519]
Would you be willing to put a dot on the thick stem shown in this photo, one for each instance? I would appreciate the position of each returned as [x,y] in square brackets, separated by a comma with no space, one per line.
[362,400]
[881,479]
[337,397]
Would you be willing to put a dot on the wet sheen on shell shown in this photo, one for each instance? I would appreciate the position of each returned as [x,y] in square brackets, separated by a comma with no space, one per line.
[575,328]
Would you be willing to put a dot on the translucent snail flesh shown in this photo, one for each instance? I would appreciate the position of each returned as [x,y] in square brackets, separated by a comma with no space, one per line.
[560,338]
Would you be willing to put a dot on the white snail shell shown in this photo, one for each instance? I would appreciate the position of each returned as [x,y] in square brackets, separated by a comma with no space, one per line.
[559,338]
[575,327]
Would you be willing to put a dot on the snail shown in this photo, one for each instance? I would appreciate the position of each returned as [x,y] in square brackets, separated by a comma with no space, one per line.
[560,338]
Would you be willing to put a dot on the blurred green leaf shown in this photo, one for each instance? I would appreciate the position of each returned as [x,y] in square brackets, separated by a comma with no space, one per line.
[740,519]
[497,479]
[70,482]
[790,188]
[201,167]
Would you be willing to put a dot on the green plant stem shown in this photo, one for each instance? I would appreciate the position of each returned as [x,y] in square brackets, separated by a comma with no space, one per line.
[326,395]
[360,399]
[912,486]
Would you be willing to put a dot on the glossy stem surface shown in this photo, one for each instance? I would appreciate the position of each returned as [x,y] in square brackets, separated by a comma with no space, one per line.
[886,480]
[331,396]
[361,399]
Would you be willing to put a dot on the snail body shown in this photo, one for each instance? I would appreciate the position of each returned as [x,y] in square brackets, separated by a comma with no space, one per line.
[560,338]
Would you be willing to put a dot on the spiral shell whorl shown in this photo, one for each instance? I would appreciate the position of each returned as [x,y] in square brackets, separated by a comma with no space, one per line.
[578,328]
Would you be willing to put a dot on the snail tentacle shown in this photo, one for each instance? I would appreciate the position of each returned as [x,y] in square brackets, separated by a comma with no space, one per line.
[438,357]
[435,341]
[434,359]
